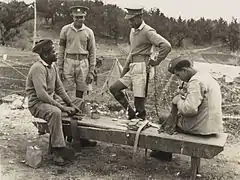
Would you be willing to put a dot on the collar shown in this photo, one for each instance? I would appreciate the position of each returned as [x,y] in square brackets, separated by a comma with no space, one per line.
[44,63]
[140,27]
[82,28]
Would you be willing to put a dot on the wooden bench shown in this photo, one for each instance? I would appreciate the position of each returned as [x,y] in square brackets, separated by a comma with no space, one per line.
[115,131]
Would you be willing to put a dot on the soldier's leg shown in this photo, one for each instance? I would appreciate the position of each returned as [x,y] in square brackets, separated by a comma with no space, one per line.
[69,77]
[139,103]
[116,90]
[139,86]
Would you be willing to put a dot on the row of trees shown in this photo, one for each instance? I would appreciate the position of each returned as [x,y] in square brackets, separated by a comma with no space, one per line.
[107,20]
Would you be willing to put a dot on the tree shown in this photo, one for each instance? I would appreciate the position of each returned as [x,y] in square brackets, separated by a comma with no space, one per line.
[12,15]
[234,35]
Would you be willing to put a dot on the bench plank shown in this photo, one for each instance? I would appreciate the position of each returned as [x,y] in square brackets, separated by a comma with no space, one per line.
[107,130]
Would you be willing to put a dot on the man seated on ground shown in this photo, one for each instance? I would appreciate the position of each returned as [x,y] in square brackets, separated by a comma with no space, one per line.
[197,111]
[42,83]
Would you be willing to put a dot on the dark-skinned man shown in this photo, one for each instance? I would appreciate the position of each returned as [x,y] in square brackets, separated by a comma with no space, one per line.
[42,83]
[196,110]
[134,75]
[77,54]
[77,58]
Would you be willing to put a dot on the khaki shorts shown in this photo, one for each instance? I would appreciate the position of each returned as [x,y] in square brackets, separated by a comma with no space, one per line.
[75,73]
[135,78]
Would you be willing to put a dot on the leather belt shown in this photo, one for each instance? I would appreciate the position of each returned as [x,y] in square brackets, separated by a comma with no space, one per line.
[140,58]
[78,57]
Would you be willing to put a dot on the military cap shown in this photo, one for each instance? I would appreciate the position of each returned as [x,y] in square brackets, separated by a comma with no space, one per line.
[175,61]
[79,10]
[133,12]
[42,45]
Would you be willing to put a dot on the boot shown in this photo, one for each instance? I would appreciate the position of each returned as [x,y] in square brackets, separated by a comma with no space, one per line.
[161,155]
[62,154]
[131,113]
[139,103]
[141,115]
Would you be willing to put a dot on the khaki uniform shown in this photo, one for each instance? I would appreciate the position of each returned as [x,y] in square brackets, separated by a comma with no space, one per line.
[77,58]
[141,42]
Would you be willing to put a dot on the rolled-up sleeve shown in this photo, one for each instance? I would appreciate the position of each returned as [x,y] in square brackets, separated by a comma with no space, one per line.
[189,105]
[164,47]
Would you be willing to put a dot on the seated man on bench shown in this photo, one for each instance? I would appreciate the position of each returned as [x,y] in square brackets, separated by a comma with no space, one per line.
[42,83]
[197,110]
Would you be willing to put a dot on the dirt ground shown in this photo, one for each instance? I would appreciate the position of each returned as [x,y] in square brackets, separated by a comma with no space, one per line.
[106,161]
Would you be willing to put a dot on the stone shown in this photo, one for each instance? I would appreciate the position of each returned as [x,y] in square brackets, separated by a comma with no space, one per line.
[34,156]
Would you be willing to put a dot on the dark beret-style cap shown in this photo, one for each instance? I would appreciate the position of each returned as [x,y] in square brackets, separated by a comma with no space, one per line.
[42,44]
[175,61]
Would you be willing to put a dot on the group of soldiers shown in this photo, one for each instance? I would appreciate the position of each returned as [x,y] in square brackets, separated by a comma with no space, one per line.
[196,110]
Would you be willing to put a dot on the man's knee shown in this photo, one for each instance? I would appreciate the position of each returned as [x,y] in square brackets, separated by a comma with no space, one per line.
[116,87]
[56,112]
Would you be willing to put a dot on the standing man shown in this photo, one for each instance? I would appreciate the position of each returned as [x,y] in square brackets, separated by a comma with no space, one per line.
[142,38]
[42,83]
[77,54]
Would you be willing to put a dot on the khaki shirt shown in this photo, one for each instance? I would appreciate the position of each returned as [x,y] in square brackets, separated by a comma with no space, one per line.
[78,41]
[201,111]
[143,39]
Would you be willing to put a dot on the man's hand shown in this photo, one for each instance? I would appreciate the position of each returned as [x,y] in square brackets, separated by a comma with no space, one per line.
[76,108]
[70,110]
[176,99]
[89,78]
[61,75]
[152,62]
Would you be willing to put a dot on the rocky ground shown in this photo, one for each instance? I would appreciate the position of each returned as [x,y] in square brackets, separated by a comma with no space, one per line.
[106,161]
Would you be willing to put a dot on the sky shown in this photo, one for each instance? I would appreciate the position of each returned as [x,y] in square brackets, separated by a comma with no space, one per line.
[212,9]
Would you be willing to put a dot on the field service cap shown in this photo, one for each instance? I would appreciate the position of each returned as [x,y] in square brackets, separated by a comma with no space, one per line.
[79,10]
[175,61]
[132,12]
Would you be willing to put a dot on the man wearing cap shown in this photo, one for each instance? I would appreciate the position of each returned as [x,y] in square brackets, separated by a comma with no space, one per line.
[77,54]
[77,57]
[199,109]
[134,75]
[42,83]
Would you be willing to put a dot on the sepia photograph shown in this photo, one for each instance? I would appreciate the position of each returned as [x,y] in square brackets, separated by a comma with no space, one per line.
[119,90]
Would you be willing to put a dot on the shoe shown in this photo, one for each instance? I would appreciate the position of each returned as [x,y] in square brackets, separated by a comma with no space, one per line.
[58,160]
[131,114]
[161,155]
[65,152]
[141,115]
[87,143]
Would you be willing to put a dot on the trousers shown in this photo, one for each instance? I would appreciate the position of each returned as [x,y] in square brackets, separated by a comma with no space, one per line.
[53,116]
